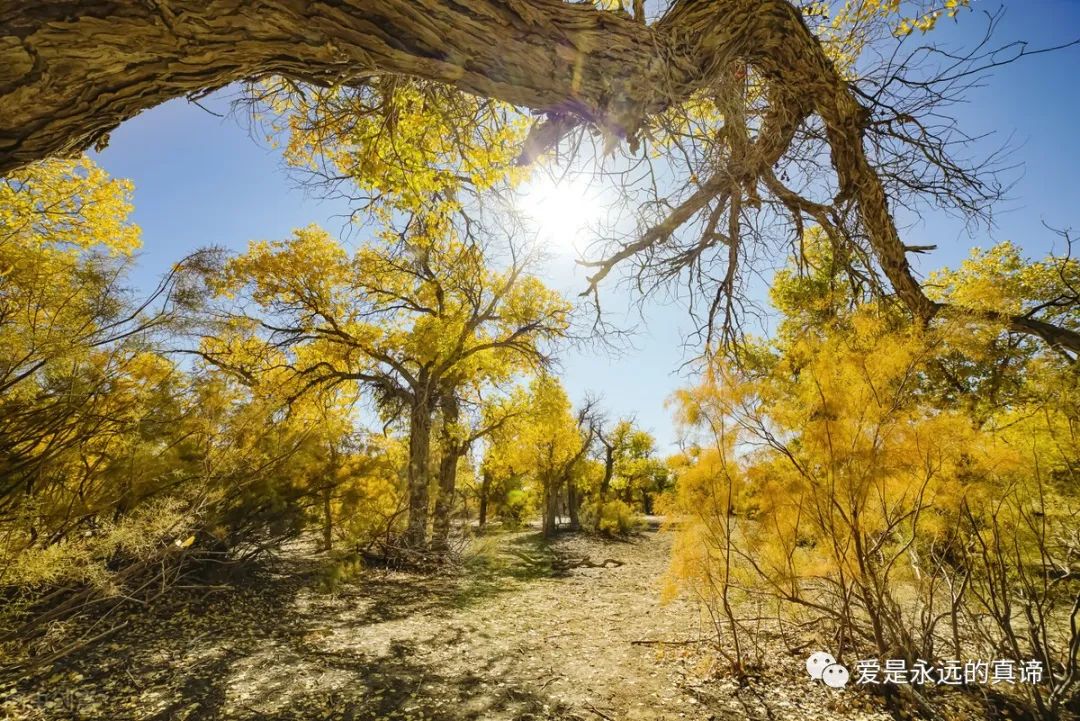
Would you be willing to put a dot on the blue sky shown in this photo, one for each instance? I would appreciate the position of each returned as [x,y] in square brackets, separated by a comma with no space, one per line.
[202,180]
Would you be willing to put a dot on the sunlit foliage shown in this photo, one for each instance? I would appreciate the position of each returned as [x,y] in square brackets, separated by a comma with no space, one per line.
[858,473]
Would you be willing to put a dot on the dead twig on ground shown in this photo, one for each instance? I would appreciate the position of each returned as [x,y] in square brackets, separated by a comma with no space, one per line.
[598,712]
[652,642]
[584,562]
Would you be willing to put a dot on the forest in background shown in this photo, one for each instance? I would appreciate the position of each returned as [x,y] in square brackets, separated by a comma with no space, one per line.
[893,473]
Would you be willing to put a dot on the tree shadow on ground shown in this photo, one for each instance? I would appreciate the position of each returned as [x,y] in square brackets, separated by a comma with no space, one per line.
[276,647]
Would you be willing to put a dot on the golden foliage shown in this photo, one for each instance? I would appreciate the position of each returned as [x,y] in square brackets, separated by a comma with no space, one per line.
[856,469]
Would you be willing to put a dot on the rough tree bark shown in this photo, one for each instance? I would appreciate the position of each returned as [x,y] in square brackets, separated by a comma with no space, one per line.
[646,502]
[572,505]
[550,505]
[453,448]
[605,482]
[419,451]
[72,70]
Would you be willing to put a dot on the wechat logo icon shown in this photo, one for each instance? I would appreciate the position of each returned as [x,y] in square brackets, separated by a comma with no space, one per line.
[823,667]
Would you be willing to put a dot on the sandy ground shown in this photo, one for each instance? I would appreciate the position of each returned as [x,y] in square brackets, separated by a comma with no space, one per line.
[514,635]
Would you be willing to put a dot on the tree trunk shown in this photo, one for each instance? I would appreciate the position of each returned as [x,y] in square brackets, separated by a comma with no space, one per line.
[551,508]
[453,448]
[605,483]
[72,70]
[572,502]
[419,450]
[485,489]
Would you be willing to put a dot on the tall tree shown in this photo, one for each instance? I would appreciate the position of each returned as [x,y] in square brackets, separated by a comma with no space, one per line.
[550,443]
[414,324]
[459,433]
[503,464]
[69,334]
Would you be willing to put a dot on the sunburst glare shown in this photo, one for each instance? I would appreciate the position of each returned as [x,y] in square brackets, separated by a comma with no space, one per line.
[562,211]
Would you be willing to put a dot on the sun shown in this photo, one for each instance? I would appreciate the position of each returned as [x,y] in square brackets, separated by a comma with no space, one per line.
[563,212]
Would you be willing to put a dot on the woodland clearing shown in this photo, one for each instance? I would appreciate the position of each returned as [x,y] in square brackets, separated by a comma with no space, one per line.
[514,638]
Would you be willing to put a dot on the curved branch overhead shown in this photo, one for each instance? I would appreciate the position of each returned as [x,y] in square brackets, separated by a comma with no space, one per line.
[72,70]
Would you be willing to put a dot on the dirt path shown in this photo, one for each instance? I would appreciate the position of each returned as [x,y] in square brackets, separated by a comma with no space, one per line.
[512,637]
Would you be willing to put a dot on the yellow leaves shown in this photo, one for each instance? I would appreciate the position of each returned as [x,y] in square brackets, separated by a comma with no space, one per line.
[63,227]
[86,558]
[1001,280]
[610,5]
[993,280]
[926,22]
[546,436]
[395,316]
[67,206]
[923,24]
[858,434]
[409,145]
[308,265]
[848,29]
[65,238]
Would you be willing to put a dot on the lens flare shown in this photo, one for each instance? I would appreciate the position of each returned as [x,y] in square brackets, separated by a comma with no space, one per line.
[563,213]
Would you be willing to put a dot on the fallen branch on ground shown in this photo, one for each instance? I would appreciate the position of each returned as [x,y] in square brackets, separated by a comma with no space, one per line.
[584,562]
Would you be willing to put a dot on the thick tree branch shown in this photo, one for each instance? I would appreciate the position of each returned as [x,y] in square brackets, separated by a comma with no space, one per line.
[72,70]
